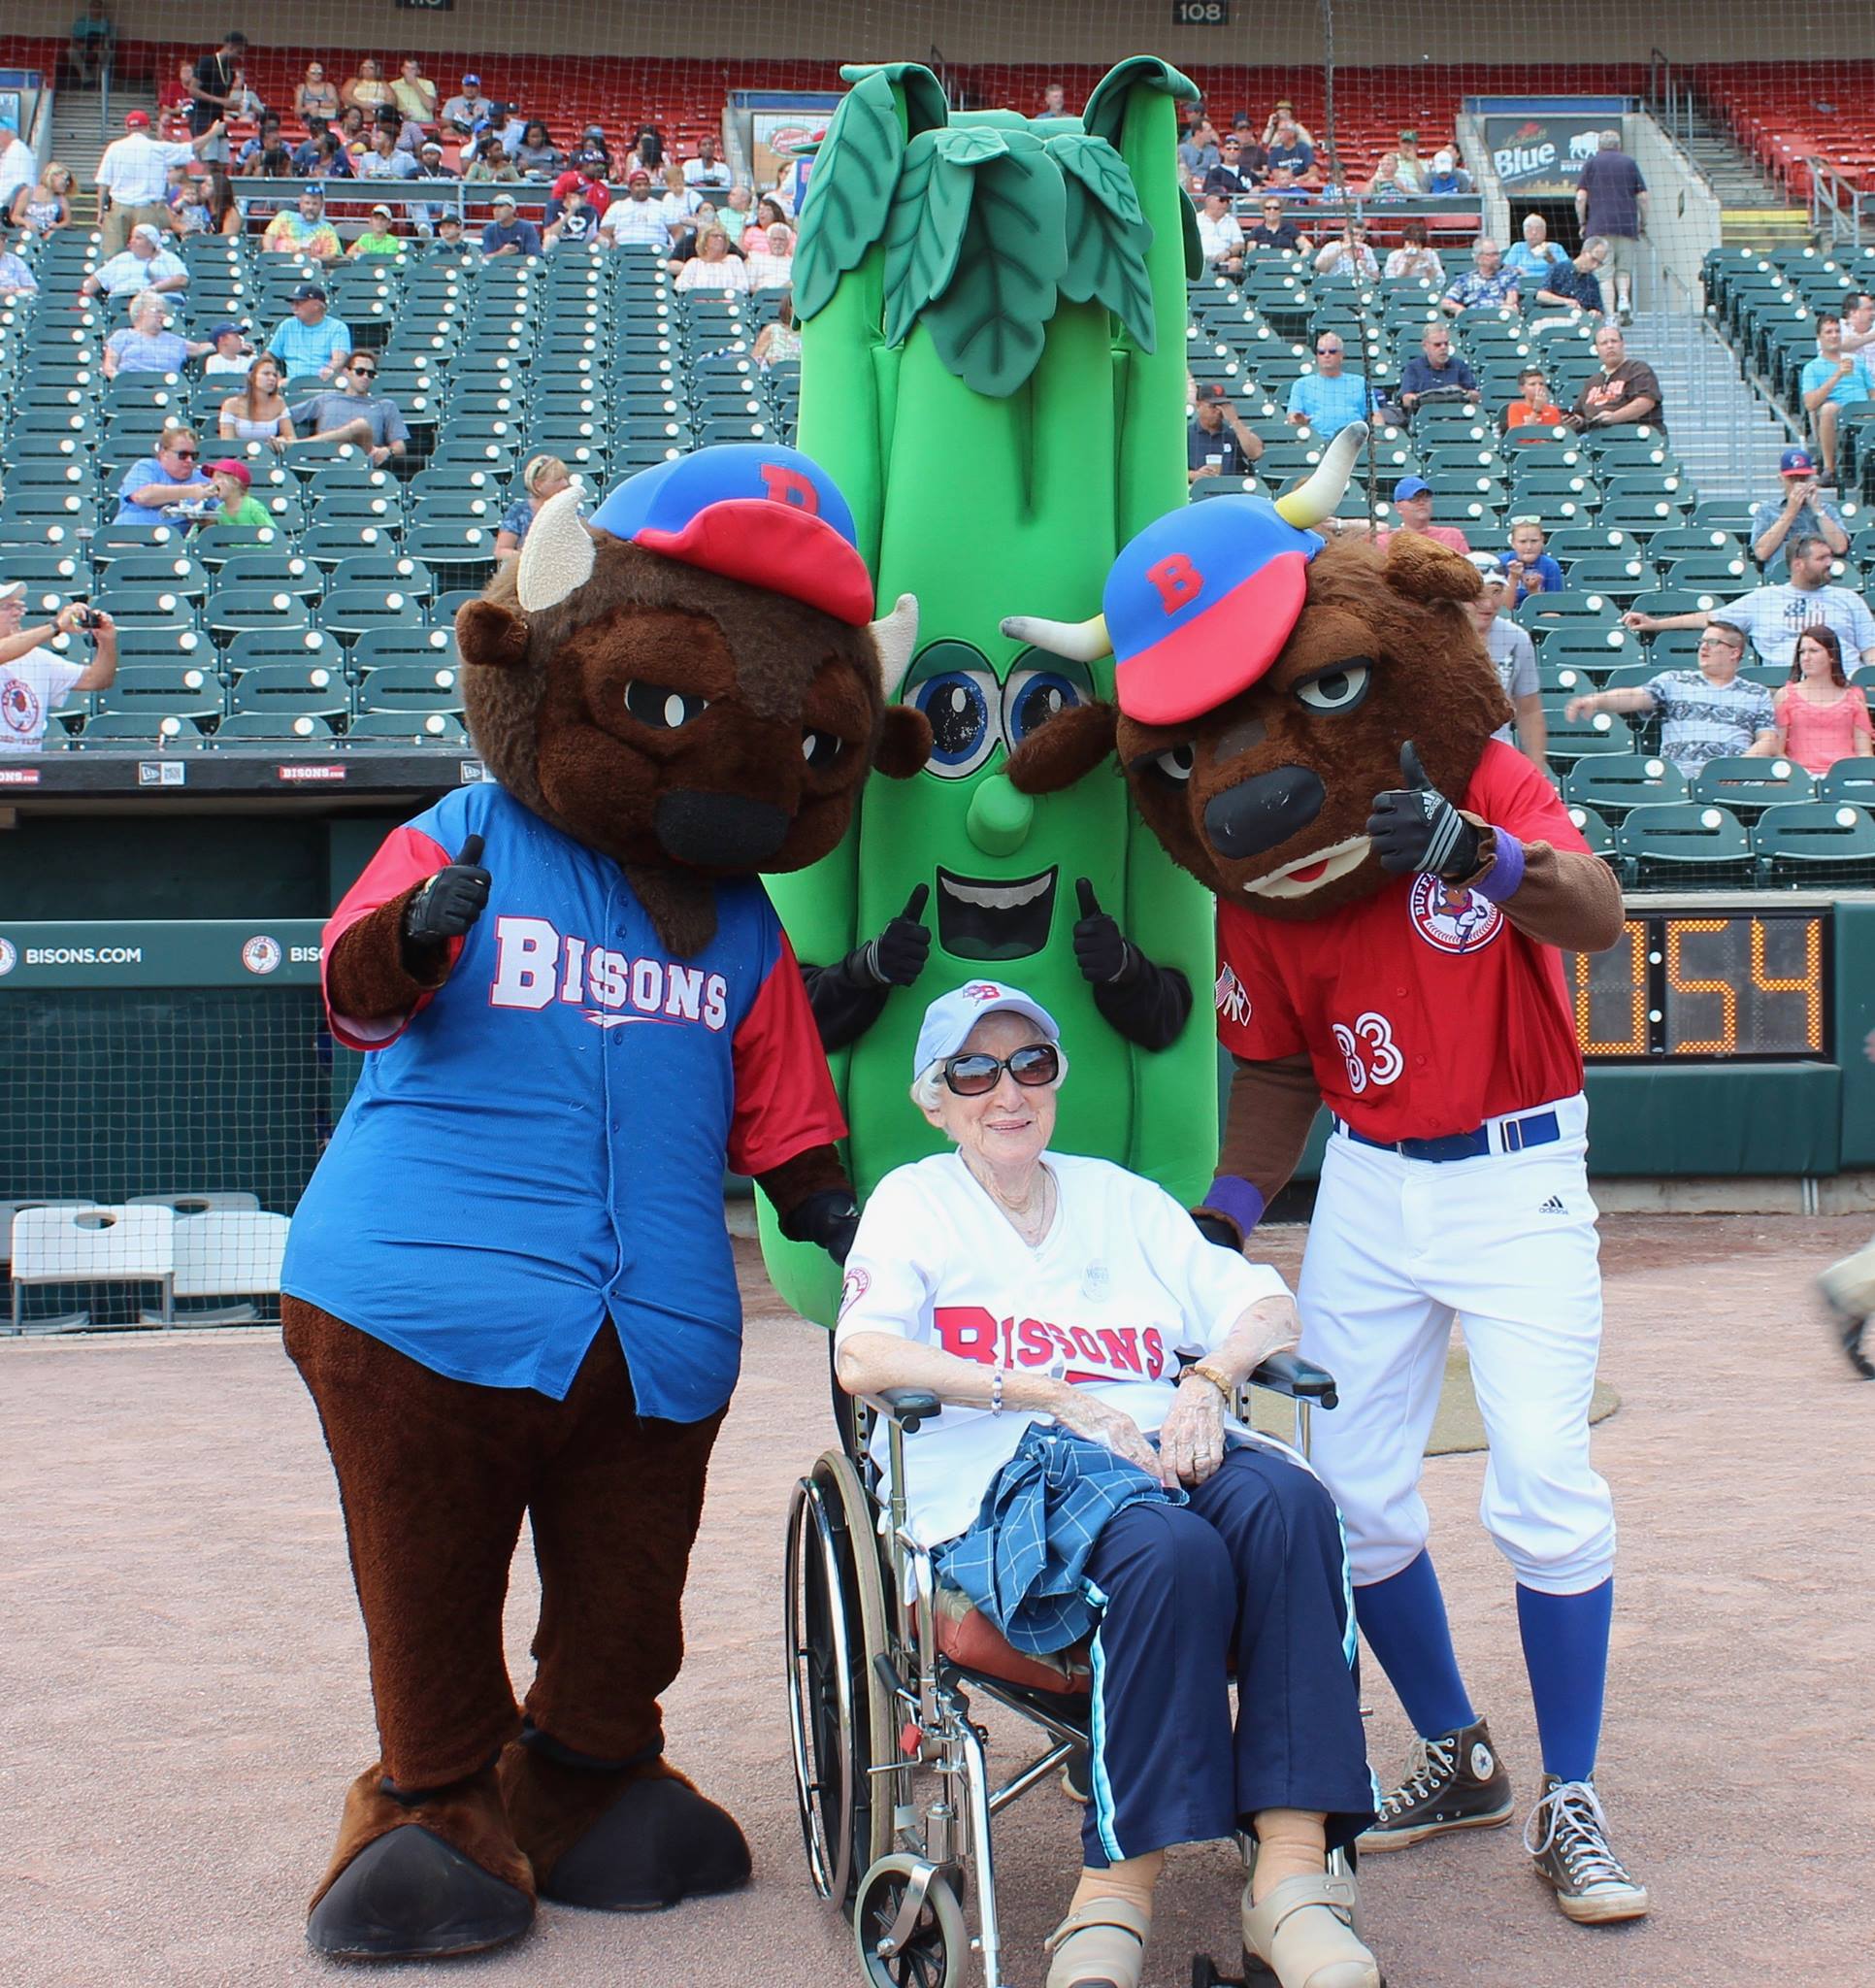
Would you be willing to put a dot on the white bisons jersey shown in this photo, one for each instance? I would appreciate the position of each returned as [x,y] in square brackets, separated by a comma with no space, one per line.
[1119,1289]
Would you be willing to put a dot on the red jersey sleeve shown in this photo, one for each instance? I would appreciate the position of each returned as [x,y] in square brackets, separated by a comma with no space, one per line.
[1507,791]
[1255,1017]
[784,1092]
[406,857]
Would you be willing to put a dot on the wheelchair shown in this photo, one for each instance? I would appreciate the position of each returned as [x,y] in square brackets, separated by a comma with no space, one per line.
[891,1769]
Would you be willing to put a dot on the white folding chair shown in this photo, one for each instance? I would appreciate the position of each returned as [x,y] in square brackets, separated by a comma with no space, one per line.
[94,1245]
[195,1201]
[66,1321]
[228,1253]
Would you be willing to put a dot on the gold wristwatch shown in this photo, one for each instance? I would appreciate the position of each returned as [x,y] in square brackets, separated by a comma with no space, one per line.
[1227,1388]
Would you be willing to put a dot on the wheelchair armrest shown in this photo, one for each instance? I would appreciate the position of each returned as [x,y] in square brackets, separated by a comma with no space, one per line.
[908,1406]
[1301,1379]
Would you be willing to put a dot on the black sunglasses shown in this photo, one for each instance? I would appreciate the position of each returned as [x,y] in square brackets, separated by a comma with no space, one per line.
[185,454]
[364,372]
[1034,1066]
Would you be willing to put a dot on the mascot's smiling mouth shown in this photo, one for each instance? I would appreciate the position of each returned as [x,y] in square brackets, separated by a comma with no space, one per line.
[982,921]
[1298,879]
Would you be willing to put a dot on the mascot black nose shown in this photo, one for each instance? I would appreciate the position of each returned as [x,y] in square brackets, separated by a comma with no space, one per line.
[1258,814]
[719,831]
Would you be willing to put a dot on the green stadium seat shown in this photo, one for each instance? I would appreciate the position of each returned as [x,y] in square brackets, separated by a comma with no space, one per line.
[147,606]
[1848,780]
[175,574]
[387,570]
[184,690]
[239,609]
[1618,576]
[1579,605]
[299,647]
[1573,739]
[120,731]
[55,573]
[215,545]
[1746,787]
[1815,842]
[1580,541]
[1728,573]
[454,552]
[1683,842]
[412,687]
[304,729]
[293,688]
[349,612]
[406,728]
[1594,830]
[279,572]
[1615,782]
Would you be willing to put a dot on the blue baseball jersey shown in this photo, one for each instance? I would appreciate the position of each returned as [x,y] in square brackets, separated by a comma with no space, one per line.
[540,1144]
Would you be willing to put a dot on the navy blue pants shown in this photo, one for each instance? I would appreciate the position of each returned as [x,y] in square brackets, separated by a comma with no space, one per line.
[1251,1576]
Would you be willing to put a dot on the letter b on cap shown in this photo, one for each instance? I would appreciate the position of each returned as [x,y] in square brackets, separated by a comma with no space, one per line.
[1178,581]
[784,486]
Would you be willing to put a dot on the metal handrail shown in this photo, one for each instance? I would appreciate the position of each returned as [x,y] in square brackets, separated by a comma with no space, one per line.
[1845,203]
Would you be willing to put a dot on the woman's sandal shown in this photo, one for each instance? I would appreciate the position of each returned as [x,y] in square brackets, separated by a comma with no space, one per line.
[1303,1933]
[1101,1945]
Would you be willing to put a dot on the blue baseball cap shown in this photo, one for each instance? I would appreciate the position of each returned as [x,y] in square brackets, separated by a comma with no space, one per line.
[950,1018]
[1200,604]
[768,516]
[1797,462]
[1411,487]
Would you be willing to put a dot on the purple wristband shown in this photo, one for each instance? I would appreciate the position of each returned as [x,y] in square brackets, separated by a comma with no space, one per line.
[1234,1195]
[1506,869]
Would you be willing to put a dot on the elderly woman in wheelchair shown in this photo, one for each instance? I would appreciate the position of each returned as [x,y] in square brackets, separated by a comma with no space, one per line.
[1077,1485]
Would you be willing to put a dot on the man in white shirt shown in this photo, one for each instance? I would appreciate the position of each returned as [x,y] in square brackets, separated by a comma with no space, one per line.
[636,220]
[134,174]
[706,169]
[145,265]
[17,166]
[1774,616]
[34,679]
[1220,234]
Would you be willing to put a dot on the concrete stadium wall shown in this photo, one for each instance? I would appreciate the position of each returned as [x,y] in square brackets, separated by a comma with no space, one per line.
[1366,31]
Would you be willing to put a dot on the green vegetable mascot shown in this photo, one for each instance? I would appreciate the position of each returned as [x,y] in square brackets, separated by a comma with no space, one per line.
[993,371]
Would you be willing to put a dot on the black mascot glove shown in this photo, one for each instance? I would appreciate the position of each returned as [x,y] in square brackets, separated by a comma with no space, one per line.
[1218,1229]
[1104,954]
[830,1218]
[1415,829]
[897,956]
[450,902]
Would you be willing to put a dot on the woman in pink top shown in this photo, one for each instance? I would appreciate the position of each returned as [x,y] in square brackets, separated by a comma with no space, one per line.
[1822,716]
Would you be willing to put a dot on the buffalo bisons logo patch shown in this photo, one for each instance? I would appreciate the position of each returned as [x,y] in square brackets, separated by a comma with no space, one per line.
[857,1283]
[1451,917]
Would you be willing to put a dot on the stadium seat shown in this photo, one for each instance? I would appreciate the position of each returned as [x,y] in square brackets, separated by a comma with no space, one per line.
[1683,842]
[302,648]
[239,609]
[1613,783]
[406,728]
[1813,842]
[1573,739]
[349,612]
[181,689]
[1746,787]
[1594,830]
[412,687]
[303,729]
[290,689]
[141,730]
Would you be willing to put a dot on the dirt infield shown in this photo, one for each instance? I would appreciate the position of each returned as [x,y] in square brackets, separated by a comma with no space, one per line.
[183,1692]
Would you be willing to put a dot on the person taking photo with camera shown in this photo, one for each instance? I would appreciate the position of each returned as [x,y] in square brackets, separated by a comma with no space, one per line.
[35,680]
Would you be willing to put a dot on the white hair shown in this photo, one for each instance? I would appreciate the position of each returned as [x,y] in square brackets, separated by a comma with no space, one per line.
[1609,141]
[147,300]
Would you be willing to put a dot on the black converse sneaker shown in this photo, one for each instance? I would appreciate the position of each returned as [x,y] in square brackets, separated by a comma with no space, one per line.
[1456,1781]
[1567,1836]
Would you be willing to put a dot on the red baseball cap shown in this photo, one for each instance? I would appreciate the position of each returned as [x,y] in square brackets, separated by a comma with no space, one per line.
[135,120]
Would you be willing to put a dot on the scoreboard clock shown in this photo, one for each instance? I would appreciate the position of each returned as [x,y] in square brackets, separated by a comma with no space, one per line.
[1686,988]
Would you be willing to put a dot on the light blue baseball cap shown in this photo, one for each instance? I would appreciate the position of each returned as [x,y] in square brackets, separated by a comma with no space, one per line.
[950,1018]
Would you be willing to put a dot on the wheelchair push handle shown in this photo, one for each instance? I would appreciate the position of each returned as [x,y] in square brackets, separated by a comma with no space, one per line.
[1301,1379]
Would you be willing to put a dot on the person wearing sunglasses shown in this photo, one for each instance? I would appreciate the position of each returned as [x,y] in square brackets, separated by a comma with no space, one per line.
[153,486]
[353,411]
[1049,1301]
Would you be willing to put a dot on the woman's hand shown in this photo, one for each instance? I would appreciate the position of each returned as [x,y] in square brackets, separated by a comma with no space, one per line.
[1082,1412]
[1191,1439]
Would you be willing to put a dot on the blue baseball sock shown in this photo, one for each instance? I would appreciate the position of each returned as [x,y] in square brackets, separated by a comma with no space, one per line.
[1403,1619]
[1565,1651]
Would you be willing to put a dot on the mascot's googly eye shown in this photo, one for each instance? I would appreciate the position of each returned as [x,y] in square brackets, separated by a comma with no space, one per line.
[661,708]
[1338,689]
[821,748]
[961,706]
[1034,695]
[1175,765]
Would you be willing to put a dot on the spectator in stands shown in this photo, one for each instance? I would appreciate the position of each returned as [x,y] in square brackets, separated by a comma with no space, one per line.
[353,128]
[1611,201]
[1528,566]
[1232,174]
[737,213]
[706,169]
[1573,285]
[385,159]
[133,175]
[1289,151]
[1822,716]
[413,93]
[35,680]
[174,98]
[1217,441]
[1514,656]
[231,352]
[509,235]
[310,341]
[1707,713]
[1434,373]
[576,223]
[378,236]
[1288,183]
[1276,231]
[1487,285]
[636,220]
[307,151]
[1830,382]
[1413,508]
[1328,399]
[587,171]
[315,97]
[1199,151]
[1803,512]
[46,207]
[368,88]
[1054,101]
[450,243]
[233,506]
[1447,177]
[771,266]
[266,138]
[468,107]
[1775,615]
[491,162]
[220,93]
[17,166]
[1285,114]
[259,413]
[769,214]
[187,201]
[1385,184]
[351,412]
[1349,255]
[15,279]
[147,344]
[537,156]
[304,230]
[542,478]
[94,41]
[330,159]
[647,149]
[713,267]
[1624,393]
[680,200]
[153,486]
[778,341]
[146,265]
[1536,256]
[1220,236]
[1410,174]
[1414,257]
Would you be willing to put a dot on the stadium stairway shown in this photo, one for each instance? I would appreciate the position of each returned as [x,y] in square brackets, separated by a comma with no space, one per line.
[1724,432]
[79,138]
[1754,212]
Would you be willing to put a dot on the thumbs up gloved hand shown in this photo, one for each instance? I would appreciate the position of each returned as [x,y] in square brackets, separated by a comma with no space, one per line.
[1106,957]
[1415,829]
[450,902]
[897,956]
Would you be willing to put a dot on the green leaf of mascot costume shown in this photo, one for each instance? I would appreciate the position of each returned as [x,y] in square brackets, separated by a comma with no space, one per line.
[992,370]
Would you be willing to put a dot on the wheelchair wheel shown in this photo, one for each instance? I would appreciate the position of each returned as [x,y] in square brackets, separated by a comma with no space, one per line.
[938,1947]
[840,1718]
